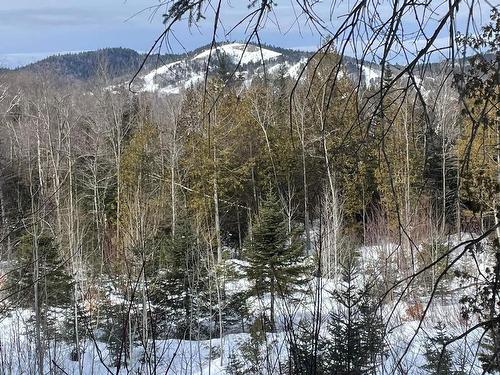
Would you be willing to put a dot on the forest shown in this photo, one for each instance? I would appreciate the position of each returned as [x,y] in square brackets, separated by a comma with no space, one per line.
[315,225]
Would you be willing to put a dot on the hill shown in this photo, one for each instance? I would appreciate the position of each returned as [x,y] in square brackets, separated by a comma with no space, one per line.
[85,66]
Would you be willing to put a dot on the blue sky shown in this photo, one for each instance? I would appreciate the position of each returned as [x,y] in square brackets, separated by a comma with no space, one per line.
[32,29]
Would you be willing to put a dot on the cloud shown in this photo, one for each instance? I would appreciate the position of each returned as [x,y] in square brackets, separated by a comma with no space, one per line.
[50,16]
[55,25]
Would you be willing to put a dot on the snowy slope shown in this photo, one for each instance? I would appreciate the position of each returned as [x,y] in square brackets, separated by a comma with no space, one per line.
[251,61]
[238,53]
[248,62]
[371,75]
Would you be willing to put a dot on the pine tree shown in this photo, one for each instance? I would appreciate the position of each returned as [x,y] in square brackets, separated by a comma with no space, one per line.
[274,255]
[307,351]
[234,365]
[114,332]
[372,335]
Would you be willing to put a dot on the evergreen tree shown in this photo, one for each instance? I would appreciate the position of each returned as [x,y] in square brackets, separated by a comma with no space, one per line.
[274,255]
[171,290]
[224,65]
[479,85]
[356,330]
[57,282]
[234,365]
[307,351]
[439,358]
[433,174]
[490,356]
[484,303]
[114,331]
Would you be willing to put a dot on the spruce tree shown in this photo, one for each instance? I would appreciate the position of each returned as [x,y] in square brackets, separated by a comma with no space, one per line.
[114,332]
[171,290]
[234,365]
[439,358]
[490,355]
[57,282]
[275,256]
[356,329]
[307,351]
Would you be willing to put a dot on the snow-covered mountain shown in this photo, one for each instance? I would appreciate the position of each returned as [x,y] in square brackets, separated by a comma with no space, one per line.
[173,73]
[248,61]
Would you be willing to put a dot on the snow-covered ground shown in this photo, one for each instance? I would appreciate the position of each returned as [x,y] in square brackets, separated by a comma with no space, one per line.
[405,337]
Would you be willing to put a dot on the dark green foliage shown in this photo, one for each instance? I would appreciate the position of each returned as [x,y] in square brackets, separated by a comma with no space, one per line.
[114,62]
[307,351]
[252,351]
[490,355]
[55,284]
[14,199]
[356,330]
[355,341]
[429,253]
[224,66]
[479,83]
[177,254]
[235,313]
[439,358]
[172,290]
[433,175]
[84,326]
[275,256]
[485,304]
[388,77]
[114,332]
[234,365]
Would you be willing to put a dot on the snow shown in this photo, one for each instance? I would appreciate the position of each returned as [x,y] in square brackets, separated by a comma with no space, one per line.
[252,54]
[211,356]
[193,80]
[295,69]
[292,70]
[149,79]
[370,75]
[179,75]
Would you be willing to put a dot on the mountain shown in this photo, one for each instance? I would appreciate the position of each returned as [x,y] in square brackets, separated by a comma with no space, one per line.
[247,61]
[172,73]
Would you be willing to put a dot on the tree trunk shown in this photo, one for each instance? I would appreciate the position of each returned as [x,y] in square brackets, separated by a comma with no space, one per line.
[73,249]
[306,198]
[4,228]
[217,217]
[173,202]
[272,292]
[36,256]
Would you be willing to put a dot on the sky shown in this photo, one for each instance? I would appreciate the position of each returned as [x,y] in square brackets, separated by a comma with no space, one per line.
[33,29]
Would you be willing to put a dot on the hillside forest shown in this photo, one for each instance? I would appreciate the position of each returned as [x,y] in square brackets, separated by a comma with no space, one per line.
[284,226]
